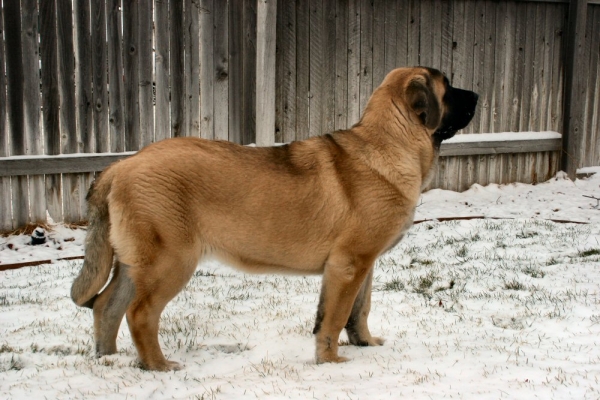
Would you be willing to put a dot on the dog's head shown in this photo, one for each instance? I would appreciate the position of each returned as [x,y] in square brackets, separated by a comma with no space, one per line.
[431,101]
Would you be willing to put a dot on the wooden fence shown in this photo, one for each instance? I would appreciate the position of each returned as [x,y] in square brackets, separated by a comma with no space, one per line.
[116,75]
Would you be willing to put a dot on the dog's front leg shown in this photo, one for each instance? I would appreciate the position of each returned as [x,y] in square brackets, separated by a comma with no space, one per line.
[342,279]
[357,327]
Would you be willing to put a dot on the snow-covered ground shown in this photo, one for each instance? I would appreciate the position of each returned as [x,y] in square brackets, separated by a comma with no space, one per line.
[481,308]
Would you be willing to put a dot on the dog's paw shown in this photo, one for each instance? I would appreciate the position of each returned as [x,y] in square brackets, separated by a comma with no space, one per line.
[332,359]
[371,341]
[163,366]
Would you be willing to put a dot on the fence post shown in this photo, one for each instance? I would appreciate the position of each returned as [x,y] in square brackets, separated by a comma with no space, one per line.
[266,20]
[575,90]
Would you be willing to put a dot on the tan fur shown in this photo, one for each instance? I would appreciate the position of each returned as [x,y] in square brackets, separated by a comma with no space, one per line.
[329,205]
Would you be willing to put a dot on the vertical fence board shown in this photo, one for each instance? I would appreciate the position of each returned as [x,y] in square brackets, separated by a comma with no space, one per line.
[115,76]
[68,123]
[236,67]
[145,77]
[558,23]
[161,71]
[50,103]
[390,25]
[528,53]
[379,44]
[192,61]
[31,110]
[366,53]
[207,69]
[221,71]
[518,67]
[354,16]
[486,95]
[249,57]
[302,69]
[403,23]
[176,55]
[83,91]
[590,133]
[5,186]
[316,66]
[99,55]
[329,67]
[413,43]
[14,76]
[341,66]
[133,139]
[478,58]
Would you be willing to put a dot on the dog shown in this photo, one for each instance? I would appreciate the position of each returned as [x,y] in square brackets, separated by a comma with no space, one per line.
[328,205]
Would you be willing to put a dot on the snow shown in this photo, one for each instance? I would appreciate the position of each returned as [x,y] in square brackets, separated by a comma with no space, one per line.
[482,308]
[502,136]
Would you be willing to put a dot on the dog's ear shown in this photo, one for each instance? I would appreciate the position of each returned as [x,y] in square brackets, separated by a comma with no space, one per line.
[423,102]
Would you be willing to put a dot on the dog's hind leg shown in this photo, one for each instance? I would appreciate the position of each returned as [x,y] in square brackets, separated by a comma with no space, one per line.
[342,280]
[156,286]
[109,309]
[356,327]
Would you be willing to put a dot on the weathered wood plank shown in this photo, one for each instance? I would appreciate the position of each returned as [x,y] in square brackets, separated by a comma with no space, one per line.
[162,116]
[58,164]
[379,42]
[528,78]
[83,91]
[502,71]
[413,39]
[302,69]
[176,33]
[594,158]
[266,20]
[133,139]
[518,68]
[514,146]
[236,69]
[354,73]
[328,116]
[207,69]
[316,66]
[590,133]
[504,101]
[486,95]
[70,139]
[575,89]
[50,103]
[535,121]
[403,21]
[366,54]
[221,70]
[426,48]
[192,65]
[391,25]
[31,91]
[341,65]
[145,77]
[478,65]
[556,104]
[115,75]
[100,95]
[249,57]
[5,186]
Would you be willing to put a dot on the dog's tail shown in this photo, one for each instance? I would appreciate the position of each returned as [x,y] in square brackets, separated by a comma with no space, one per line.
[99,253]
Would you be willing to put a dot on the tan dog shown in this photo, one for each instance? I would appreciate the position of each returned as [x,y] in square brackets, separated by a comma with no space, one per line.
[328,205]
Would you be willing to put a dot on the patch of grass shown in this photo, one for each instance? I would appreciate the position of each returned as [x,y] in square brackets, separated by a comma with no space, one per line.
[395,285]
[552,261]
[462,251]
[202,272]
[7,349]
[526,234]
[590,252]
[534,272]
[514,285]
